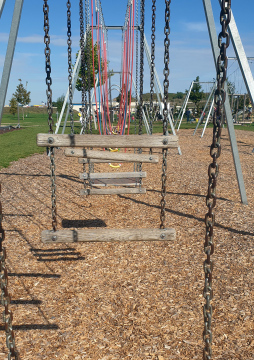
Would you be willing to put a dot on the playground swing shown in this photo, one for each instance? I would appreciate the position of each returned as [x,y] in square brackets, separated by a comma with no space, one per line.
[164,234]
[86,141]
[131,181]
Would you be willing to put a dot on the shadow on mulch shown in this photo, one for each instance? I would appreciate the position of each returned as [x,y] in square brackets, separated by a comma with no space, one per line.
[83,223]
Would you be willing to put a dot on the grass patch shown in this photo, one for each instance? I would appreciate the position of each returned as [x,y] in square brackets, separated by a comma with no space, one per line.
[22,143]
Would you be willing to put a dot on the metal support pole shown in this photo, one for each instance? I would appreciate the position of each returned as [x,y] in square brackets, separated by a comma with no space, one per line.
[207,119]
[231,131]
[202,114]
[237,109]
[144,115]
[111,103]
[10,53]
[2,2]
[244,104]
[74,80]
[185,105]
[241,57]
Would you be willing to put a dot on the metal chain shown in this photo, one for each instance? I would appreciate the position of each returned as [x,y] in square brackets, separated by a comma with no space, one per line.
[5,297]
[137,79]
[83,65]
[141,67]
[50,111]
[69,42]
[213,172]
[141,74]
[152,65]
[165,111]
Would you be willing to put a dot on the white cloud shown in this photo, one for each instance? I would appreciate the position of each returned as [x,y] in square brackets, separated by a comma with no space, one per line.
[196,26]
[4,37]
[33,39]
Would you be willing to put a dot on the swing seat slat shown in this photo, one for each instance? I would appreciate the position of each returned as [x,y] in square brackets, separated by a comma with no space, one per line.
[107,141]
[110,156]
[107,235]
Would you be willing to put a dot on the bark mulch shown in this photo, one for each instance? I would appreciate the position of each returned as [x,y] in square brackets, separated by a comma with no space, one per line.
[130,300]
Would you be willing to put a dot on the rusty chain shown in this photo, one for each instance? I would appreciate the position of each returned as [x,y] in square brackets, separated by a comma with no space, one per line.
[50,112]
[213,172]
[83,65]
[152,65]
[69,42]
[165,111]
[141,78]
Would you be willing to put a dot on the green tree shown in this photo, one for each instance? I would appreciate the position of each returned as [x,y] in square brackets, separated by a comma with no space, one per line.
[22,96]
[196,94]
[84,69]
[13,105]
[178,95]
[118,98]
[231,87]
[59,103]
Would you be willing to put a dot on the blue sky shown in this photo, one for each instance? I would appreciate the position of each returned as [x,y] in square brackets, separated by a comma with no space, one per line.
[190,52]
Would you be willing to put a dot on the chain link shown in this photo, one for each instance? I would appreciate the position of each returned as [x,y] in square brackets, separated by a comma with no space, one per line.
[141,67]
[213,172]
[165,111]
[141,76]
[69,42]
[83,65]
[50,112]
[152,65]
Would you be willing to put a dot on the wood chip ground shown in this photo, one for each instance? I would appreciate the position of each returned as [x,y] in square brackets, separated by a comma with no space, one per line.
[130,300]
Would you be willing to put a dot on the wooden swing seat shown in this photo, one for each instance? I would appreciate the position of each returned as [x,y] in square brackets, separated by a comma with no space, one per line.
[107,156]
[113,175]
[107,235]
[107,141]
[114,191]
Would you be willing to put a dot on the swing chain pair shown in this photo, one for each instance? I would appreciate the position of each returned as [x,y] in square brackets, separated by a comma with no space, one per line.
[5,297]
[165,111]
[213,172]
[50,111]
[152,65]
[69,43]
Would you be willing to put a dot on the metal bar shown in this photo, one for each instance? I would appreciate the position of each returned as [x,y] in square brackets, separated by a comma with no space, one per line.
[185,105]
[235,58]
[2,2]
[244,104]
[74,76]
[10,53]
[144,115]
[241,57]
[231,131]
[207,119]
[209,97]
[95,27]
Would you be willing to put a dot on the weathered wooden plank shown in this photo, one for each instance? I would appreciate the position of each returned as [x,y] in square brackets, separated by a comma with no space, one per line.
[113,175]
[114,182]
[110,156]
[100,235]
[107,141]
[116,191]
[98,161]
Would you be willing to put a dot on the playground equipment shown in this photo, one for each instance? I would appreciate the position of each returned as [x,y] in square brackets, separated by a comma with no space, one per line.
[85,141]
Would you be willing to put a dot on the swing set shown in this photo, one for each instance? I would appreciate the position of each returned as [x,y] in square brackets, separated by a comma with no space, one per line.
[82,145]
